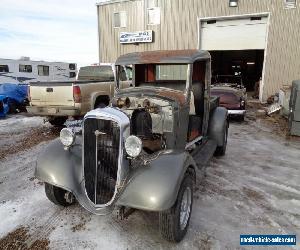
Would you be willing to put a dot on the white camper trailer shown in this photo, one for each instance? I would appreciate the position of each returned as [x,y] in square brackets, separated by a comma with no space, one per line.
[24,71]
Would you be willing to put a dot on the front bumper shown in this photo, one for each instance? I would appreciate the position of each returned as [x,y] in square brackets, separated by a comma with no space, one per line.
[236,112]
[53,111]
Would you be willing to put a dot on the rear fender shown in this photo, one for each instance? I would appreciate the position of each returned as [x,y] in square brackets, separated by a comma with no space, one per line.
[216,125]
[154,187]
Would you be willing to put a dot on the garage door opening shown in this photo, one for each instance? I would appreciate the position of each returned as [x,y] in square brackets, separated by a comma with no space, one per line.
[246,63]
[237,45]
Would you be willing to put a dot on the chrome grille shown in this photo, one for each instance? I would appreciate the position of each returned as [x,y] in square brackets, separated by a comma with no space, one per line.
[101,154]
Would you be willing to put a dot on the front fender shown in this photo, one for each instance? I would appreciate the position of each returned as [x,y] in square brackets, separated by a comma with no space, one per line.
[59,167]
[154,187]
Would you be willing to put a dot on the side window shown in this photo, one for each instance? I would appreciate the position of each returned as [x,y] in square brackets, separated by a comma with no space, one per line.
[153,16]
[43,70]
[25,68]
[129,72]
[4,68]
[72,74]
[120,19]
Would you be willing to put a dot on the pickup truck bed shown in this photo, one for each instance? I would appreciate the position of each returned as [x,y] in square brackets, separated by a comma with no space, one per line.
[57,100]
[69,98]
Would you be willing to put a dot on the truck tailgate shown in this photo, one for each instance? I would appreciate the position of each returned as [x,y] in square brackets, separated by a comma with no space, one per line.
[51,94]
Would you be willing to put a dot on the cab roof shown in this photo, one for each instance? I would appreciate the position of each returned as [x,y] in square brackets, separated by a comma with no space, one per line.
[164,57]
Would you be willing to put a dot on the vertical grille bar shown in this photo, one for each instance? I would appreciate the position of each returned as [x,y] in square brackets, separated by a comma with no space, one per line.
[101,153]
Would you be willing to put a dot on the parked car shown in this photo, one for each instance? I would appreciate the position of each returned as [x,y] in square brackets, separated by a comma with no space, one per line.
[145,150]
[232,94]
[93,88]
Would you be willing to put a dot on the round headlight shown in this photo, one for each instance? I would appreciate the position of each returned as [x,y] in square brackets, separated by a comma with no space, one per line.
[133,146]
[67,137]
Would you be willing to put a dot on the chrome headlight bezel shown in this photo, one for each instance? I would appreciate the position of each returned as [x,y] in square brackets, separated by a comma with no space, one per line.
[133,146]
[67,137]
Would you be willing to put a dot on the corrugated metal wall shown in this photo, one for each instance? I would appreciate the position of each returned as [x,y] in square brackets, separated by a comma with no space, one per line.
[179,30]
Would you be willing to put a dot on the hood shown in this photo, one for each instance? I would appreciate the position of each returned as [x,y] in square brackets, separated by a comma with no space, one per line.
[164,93]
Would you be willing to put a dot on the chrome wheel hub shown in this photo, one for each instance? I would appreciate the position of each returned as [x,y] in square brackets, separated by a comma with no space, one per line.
[185,208]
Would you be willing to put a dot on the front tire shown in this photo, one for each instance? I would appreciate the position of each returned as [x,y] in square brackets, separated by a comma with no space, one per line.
[174,222]
[56,195]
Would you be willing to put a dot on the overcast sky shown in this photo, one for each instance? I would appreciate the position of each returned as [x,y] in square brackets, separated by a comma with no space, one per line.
[54,30]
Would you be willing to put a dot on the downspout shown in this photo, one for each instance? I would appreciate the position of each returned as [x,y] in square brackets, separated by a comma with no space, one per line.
[98,20]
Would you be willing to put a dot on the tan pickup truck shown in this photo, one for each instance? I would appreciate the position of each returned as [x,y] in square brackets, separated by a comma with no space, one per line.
[93,88]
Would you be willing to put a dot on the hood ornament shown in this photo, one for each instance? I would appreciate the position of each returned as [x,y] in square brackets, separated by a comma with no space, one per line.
[97,133]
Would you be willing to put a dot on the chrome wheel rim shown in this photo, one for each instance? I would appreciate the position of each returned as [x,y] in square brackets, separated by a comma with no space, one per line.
[185,208]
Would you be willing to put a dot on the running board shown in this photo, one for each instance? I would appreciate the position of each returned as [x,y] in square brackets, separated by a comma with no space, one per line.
[204,153]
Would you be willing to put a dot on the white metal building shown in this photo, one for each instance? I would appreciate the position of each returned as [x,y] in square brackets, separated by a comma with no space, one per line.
[259,39]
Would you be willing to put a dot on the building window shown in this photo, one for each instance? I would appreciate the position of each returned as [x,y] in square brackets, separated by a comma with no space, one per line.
[72,74]
[72,66]
[4,68]
[290,3]
[233,3]
[120,19]
[153,16]
[25,68]
[43,70]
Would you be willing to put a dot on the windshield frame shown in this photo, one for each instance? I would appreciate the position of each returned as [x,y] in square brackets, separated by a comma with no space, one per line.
[186,91]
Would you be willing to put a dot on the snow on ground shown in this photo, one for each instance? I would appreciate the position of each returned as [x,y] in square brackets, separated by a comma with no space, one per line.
[255,188]
[19,123]
[13,128]
[21,132]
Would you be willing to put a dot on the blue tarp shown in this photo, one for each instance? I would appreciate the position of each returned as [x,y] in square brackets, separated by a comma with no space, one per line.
[4,108]
[10,93]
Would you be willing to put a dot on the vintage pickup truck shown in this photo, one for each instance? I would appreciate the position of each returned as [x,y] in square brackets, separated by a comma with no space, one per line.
[145,150]
[59,100]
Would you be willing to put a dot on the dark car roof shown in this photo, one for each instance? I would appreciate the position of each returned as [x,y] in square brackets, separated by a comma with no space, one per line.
[164,57]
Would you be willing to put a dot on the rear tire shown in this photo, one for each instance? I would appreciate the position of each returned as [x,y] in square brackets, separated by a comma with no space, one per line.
[56,195]
[174,222]
[221,150]
[57,121]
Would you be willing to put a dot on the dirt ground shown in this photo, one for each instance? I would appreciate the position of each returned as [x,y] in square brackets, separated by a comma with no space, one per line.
[254,188]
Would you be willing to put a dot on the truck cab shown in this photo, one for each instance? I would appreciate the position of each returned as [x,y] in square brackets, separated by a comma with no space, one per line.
[186,81]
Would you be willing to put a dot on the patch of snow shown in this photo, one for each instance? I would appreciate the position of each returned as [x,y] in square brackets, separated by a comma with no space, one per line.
[19,123]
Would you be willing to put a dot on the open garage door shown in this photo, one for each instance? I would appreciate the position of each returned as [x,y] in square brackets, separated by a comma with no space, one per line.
[237,47]
[234,34]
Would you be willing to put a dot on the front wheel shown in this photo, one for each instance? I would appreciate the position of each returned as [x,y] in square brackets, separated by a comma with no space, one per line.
[174,222]
[57,195]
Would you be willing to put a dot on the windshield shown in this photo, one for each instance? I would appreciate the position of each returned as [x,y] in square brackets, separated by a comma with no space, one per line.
[171,76]
[99,73]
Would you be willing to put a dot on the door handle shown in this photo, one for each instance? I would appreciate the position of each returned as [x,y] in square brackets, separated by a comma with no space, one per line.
[49,89]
